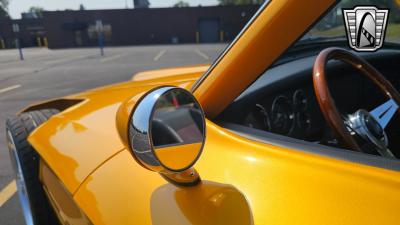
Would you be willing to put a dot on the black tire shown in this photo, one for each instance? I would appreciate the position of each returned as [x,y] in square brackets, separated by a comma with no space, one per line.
[19,128]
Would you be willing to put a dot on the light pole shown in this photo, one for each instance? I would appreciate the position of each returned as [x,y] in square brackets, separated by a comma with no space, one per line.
[17,42]
[100,35]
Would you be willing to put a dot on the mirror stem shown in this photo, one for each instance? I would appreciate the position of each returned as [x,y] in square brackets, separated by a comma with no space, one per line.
[187,178]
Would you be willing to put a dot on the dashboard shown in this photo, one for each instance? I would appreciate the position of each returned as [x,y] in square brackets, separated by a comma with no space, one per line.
[283,114]
[292,112]
[282,100]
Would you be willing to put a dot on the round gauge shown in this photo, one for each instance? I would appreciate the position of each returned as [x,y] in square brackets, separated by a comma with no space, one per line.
[303,121]
[300,100]
[258,118]
[282,116]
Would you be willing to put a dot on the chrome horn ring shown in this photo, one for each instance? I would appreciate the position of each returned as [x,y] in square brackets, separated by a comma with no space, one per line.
[363,124]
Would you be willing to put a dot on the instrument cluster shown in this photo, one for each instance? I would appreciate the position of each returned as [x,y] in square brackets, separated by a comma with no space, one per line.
[281,114]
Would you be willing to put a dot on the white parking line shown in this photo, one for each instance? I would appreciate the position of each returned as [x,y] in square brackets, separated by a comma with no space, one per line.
[158,56]
[7,192]
[9,88]
[111,58]
[202,54]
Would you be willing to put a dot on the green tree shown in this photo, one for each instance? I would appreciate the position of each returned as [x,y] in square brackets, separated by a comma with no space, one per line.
[181,4]
[4,9]
[240,2]
[4,4]
[38,11]
[3,13]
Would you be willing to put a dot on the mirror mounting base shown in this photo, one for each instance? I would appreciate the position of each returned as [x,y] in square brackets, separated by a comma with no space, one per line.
[187,178]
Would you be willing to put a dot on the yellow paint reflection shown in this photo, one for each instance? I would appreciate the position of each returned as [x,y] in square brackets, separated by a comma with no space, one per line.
[178,156]
[208,203]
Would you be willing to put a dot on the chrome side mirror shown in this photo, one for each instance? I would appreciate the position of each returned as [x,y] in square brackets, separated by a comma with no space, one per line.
[166,133]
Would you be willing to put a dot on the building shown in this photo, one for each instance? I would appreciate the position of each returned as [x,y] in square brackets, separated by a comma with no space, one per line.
[66,29]
[6,33]
[29,15]
[31,32]
[143,26]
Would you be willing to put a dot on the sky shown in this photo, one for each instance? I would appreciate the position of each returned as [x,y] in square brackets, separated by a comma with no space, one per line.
[17,6]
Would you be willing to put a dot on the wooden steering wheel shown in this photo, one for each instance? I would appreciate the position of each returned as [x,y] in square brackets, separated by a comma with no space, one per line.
[369,125]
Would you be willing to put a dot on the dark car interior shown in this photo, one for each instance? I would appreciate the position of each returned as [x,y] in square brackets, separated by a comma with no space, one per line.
[282,101]
[176,126]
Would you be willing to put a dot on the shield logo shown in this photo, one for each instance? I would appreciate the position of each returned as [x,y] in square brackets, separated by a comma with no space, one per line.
[365,27]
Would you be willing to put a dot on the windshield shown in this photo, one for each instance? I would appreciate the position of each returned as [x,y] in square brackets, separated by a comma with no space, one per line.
[332,25]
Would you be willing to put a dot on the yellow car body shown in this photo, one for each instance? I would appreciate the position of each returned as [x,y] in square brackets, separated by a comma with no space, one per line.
[91,178]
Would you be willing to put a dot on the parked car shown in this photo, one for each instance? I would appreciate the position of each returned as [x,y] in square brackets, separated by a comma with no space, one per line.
[274,132]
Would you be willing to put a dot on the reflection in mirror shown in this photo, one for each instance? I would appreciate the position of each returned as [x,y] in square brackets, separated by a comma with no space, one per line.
[177,120]
[177,129]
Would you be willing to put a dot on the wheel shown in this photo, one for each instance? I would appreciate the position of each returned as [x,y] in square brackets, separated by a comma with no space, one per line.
[25,160]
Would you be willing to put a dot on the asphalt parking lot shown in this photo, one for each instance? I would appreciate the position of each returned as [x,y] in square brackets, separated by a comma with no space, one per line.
[48,74]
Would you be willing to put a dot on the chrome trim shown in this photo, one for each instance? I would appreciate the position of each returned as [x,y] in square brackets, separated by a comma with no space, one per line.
[139,127]
[140,132]
[205,75]
[384,113]
[20,181]
[358,123]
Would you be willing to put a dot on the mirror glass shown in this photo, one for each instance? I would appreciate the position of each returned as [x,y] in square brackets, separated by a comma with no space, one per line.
[177,129]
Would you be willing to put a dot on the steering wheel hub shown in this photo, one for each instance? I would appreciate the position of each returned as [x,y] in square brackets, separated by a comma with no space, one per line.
[374,127]
[364,124]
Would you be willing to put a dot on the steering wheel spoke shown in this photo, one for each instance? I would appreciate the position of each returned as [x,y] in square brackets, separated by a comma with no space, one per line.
[385,112]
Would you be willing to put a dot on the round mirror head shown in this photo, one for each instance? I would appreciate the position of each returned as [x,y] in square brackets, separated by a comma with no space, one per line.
[167,130]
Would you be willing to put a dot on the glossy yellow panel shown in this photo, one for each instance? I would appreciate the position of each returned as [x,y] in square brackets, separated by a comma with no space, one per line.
[281,186]
[145,78]
[81,138]
[61,200]
[170,72]
[276,28]
[217,204]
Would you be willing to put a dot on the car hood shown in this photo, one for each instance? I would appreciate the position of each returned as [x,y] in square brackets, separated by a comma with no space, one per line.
[81,138]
